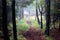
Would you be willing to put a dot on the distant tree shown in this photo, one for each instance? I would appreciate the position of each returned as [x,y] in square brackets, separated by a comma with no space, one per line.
[40,5]
[21,4]
[41,13]
[55,12]
[37,14]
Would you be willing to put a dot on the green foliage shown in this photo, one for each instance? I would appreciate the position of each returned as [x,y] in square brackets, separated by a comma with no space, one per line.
[35,24]
[23,3]
[40,3]
[22,26]
[20,37]
[9,2]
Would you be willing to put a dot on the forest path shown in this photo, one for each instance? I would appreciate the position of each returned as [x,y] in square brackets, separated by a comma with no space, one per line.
[32,33]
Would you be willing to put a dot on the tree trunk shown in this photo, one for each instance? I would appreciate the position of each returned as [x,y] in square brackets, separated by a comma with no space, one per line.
[54,20]
[37,16]
[4,25]
[14,21]
[41,17]
[47,17]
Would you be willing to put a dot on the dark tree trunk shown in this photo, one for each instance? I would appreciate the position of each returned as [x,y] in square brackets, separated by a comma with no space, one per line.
[0,15]
[41,17]
[54,21]
[22,14]
[41,21]
[4,14]
[37,16]
[14,21]
[47,17]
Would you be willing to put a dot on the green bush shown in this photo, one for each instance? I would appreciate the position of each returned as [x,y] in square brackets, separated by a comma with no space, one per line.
[22,26]
[20,37]
[35,24]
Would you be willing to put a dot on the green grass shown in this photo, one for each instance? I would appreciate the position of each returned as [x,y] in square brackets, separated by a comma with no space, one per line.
[20,37]
[35,24]
[22,26]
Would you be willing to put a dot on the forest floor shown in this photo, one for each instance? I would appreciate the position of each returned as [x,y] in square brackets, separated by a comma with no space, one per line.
[55,34]
[33,34]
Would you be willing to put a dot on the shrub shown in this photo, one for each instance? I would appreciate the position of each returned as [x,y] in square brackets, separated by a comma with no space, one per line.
[22,26]
[35,24]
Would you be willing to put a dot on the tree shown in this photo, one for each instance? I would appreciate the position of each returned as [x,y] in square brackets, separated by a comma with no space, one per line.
[41,4]
[47,17]
[37,14]
[4,22]
[55,12]
[21,4]
[0,14]
[40,10]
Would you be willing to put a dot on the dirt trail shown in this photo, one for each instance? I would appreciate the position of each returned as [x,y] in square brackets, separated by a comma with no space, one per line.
[32,33]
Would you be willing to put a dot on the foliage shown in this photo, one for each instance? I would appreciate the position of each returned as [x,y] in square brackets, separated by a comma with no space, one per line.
[21,37]
[22,26]
[23,3]
[35,24]
[9,2]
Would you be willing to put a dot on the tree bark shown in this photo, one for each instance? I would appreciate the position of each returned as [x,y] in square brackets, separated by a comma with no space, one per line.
[4,26]
[37,16]
[41,16]
[47,17]
[14,21]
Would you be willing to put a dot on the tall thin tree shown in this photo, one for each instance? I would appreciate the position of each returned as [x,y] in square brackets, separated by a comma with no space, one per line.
[37,13]
[47,17]
[54,15]
[4,14]
[40,10]
[14,21]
